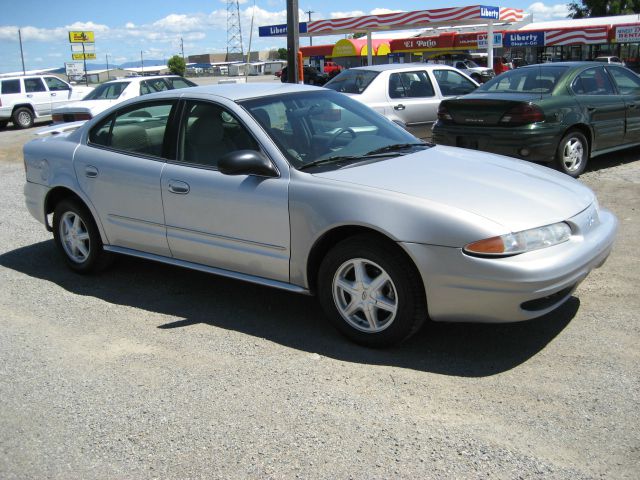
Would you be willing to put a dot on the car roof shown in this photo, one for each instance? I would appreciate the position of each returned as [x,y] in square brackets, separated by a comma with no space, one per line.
[242,91]
[403,66]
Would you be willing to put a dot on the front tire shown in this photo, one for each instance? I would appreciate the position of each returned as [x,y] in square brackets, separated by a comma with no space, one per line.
[572,154]
[371,292]
[23,117]
[77,237]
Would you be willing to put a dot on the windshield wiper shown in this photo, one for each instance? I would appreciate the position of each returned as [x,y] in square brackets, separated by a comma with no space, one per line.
[395,147]
[337,159]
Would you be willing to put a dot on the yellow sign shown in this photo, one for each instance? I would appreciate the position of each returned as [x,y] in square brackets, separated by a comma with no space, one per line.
[81,37]
[83,56]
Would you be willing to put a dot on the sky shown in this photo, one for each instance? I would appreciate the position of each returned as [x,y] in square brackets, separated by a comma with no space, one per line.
[124,28]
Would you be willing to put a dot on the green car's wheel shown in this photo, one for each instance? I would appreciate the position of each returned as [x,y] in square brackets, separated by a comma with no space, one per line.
[572,154]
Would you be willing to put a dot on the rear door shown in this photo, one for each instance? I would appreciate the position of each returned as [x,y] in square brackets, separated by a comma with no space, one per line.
[413,97]
[37,95]
[628,86]
[602,106]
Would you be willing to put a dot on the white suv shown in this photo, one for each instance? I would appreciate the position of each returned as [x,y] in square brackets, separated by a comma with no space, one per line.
[25,98]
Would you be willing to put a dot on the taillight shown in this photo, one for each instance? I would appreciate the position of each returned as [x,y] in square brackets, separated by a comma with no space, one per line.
[83,116]
[443,114]
[57,117]
[523,114]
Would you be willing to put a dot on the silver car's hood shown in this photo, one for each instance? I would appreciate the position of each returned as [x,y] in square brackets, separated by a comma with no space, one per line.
[514,193]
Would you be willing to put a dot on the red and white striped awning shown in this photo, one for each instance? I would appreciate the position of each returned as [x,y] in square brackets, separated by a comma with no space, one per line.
[409,20]
[577,36]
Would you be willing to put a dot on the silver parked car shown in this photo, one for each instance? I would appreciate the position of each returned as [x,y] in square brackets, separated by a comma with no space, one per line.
[304,189]
[408,94]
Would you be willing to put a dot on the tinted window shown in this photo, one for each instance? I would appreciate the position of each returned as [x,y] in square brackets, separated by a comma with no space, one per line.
[537,79]
[593,81]
[453,83]
[626,81]
[139,129]
[352,81]
[180,82]
[209,132]
[10,86]
[152,86]
[55,84]
[107,91]
[410,85]
[32,85]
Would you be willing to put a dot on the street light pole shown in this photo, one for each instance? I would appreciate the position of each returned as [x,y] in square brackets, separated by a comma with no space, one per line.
[309,12]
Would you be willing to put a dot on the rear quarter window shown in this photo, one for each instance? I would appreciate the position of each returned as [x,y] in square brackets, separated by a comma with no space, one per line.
[9,86]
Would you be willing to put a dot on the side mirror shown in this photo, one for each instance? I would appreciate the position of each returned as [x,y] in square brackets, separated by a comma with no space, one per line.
[246,162]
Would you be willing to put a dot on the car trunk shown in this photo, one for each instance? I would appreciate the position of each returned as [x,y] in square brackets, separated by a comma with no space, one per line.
[484,109]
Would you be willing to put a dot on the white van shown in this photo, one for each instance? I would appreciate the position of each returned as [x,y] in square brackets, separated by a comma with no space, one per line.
[27,98]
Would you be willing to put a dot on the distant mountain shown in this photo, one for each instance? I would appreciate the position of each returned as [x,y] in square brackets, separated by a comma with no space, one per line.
[147,63]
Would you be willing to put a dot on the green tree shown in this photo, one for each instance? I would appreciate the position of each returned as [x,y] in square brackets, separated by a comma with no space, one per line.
[282,53]
[176,65]
[603,8]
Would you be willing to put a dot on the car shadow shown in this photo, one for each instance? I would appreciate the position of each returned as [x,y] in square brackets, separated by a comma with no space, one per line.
[296,321]
[619,157]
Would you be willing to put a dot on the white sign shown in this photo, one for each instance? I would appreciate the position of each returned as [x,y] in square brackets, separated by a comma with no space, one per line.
[628,34]
[88,48]
[483,43]
[74,69]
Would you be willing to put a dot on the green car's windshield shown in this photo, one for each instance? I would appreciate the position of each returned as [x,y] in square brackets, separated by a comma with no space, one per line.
[534,79]
[107,91]
[317,125]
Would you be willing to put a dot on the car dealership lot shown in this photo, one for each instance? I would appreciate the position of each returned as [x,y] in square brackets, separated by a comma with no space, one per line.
[149,371]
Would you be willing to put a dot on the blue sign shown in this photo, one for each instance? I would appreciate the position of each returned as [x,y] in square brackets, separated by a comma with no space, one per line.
[490,12]
[279,30]
[524,39]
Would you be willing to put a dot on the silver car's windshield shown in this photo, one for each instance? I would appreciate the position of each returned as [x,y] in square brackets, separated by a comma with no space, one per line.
[352,81]
[314,126]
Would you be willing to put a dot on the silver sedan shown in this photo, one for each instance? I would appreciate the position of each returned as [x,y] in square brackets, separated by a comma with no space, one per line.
[304,189]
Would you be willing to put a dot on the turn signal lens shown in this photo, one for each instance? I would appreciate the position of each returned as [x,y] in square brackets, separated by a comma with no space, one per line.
[443,114]
[521,242]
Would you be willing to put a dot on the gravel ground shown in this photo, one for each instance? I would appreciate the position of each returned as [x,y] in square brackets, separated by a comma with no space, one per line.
[149,371]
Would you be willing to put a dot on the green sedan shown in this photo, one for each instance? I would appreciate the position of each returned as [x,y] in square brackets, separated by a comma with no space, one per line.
[559,113]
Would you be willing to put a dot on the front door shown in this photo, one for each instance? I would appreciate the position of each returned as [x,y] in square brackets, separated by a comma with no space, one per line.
[628,86]
[119,169]
[59,91]
[238,223]
[38,95]
[603,108]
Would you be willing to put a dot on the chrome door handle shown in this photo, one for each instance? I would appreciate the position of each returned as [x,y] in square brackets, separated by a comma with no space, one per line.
[399,107]
[53,94]
[90,171]
[632,105]
[29,95]
[591,109]
[176,186]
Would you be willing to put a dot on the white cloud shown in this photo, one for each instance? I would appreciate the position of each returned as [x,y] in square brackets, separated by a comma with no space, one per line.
[543,12]
[382,11]
[353,13]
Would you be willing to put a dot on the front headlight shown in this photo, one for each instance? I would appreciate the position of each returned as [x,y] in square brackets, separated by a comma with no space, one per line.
[520,242]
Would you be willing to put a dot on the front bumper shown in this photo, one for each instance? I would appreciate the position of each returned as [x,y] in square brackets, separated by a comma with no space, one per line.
[537,143]
[462,288]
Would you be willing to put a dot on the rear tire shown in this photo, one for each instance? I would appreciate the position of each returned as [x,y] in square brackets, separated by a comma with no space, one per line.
[371,292]
[77,237]
[572,154]
[23,117]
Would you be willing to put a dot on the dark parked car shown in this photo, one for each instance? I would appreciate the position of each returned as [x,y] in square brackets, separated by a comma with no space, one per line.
[312,76]
[562,113]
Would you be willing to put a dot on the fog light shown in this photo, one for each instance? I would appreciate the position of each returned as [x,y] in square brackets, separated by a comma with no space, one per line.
[524,152]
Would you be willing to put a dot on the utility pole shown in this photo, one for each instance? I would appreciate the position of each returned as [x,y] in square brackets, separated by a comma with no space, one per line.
[106,57]
[21,53]
[182,47]
[309,12]
[141,64]
[293,35]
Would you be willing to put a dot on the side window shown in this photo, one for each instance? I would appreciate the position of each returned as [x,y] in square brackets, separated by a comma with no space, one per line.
[453,83]
[179,83]
[10,86]
[593,82]
[410,85]
[55,84]
[208,132]
[627,82]
[145,89]
[32,85]
[138,129]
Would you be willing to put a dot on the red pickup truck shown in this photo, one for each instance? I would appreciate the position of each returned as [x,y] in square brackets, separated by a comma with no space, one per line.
[332,68]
